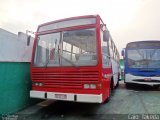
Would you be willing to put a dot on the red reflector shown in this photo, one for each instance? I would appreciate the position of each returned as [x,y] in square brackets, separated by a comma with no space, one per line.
[147,79]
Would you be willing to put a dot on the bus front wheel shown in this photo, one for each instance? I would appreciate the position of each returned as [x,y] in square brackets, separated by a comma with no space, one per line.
[110,92]
[109,96]
[128,85]
[156,86]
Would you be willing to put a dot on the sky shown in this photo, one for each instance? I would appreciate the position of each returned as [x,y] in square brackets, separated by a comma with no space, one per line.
[127,20]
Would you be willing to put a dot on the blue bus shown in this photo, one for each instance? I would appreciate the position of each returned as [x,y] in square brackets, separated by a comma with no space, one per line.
[142,63]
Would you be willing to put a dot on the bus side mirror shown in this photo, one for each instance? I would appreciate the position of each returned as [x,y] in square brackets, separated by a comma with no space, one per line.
[122,52]
[28,40]
[106,35]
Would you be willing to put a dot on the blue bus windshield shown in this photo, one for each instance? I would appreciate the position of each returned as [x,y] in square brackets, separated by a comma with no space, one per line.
[143,58]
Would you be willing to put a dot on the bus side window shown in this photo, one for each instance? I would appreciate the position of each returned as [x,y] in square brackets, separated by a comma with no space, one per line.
[110,48]
[105,51]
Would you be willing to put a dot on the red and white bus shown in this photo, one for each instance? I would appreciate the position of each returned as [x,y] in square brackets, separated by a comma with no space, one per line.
[74,59]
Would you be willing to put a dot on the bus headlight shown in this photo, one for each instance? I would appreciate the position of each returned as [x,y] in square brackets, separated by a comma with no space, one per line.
[40,84]
[37,84]
[93,86]
[86,86]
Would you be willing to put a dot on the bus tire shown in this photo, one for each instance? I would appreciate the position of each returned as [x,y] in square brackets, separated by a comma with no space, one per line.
[118,81]
[117,84]
[128,85]
[110,92]
[156,86]
[112,85]
[109,97]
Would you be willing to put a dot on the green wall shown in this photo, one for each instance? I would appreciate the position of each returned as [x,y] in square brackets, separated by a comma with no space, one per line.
[122,69]
[122,63]
[15,84]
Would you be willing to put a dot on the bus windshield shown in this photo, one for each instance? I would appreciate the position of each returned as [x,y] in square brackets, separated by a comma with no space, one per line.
[67,48]
[143,58]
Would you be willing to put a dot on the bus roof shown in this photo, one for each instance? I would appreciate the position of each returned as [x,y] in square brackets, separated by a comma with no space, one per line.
[68,22]
[136,44]
[70,18]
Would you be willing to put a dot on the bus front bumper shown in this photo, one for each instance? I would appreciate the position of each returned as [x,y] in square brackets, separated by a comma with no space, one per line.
[88,98]
[129,78]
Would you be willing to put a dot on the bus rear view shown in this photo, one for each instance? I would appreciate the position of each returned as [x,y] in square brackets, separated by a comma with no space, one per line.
[142,63]
[68,59]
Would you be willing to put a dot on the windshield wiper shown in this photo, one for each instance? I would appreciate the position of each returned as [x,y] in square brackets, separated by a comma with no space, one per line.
[147,70]
[47,62]
[153,53]
[142,55]
[71,62]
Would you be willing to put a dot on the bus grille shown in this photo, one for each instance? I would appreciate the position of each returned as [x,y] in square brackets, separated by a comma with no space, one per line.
[74,80]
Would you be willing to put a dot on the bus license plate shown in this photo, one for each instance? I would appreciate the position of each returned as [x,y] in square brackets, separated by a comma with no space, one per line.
[61,96]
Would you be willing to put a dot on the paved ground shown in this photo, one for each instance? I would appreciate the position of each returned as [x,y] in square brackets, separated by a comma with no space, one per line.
[124,104]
